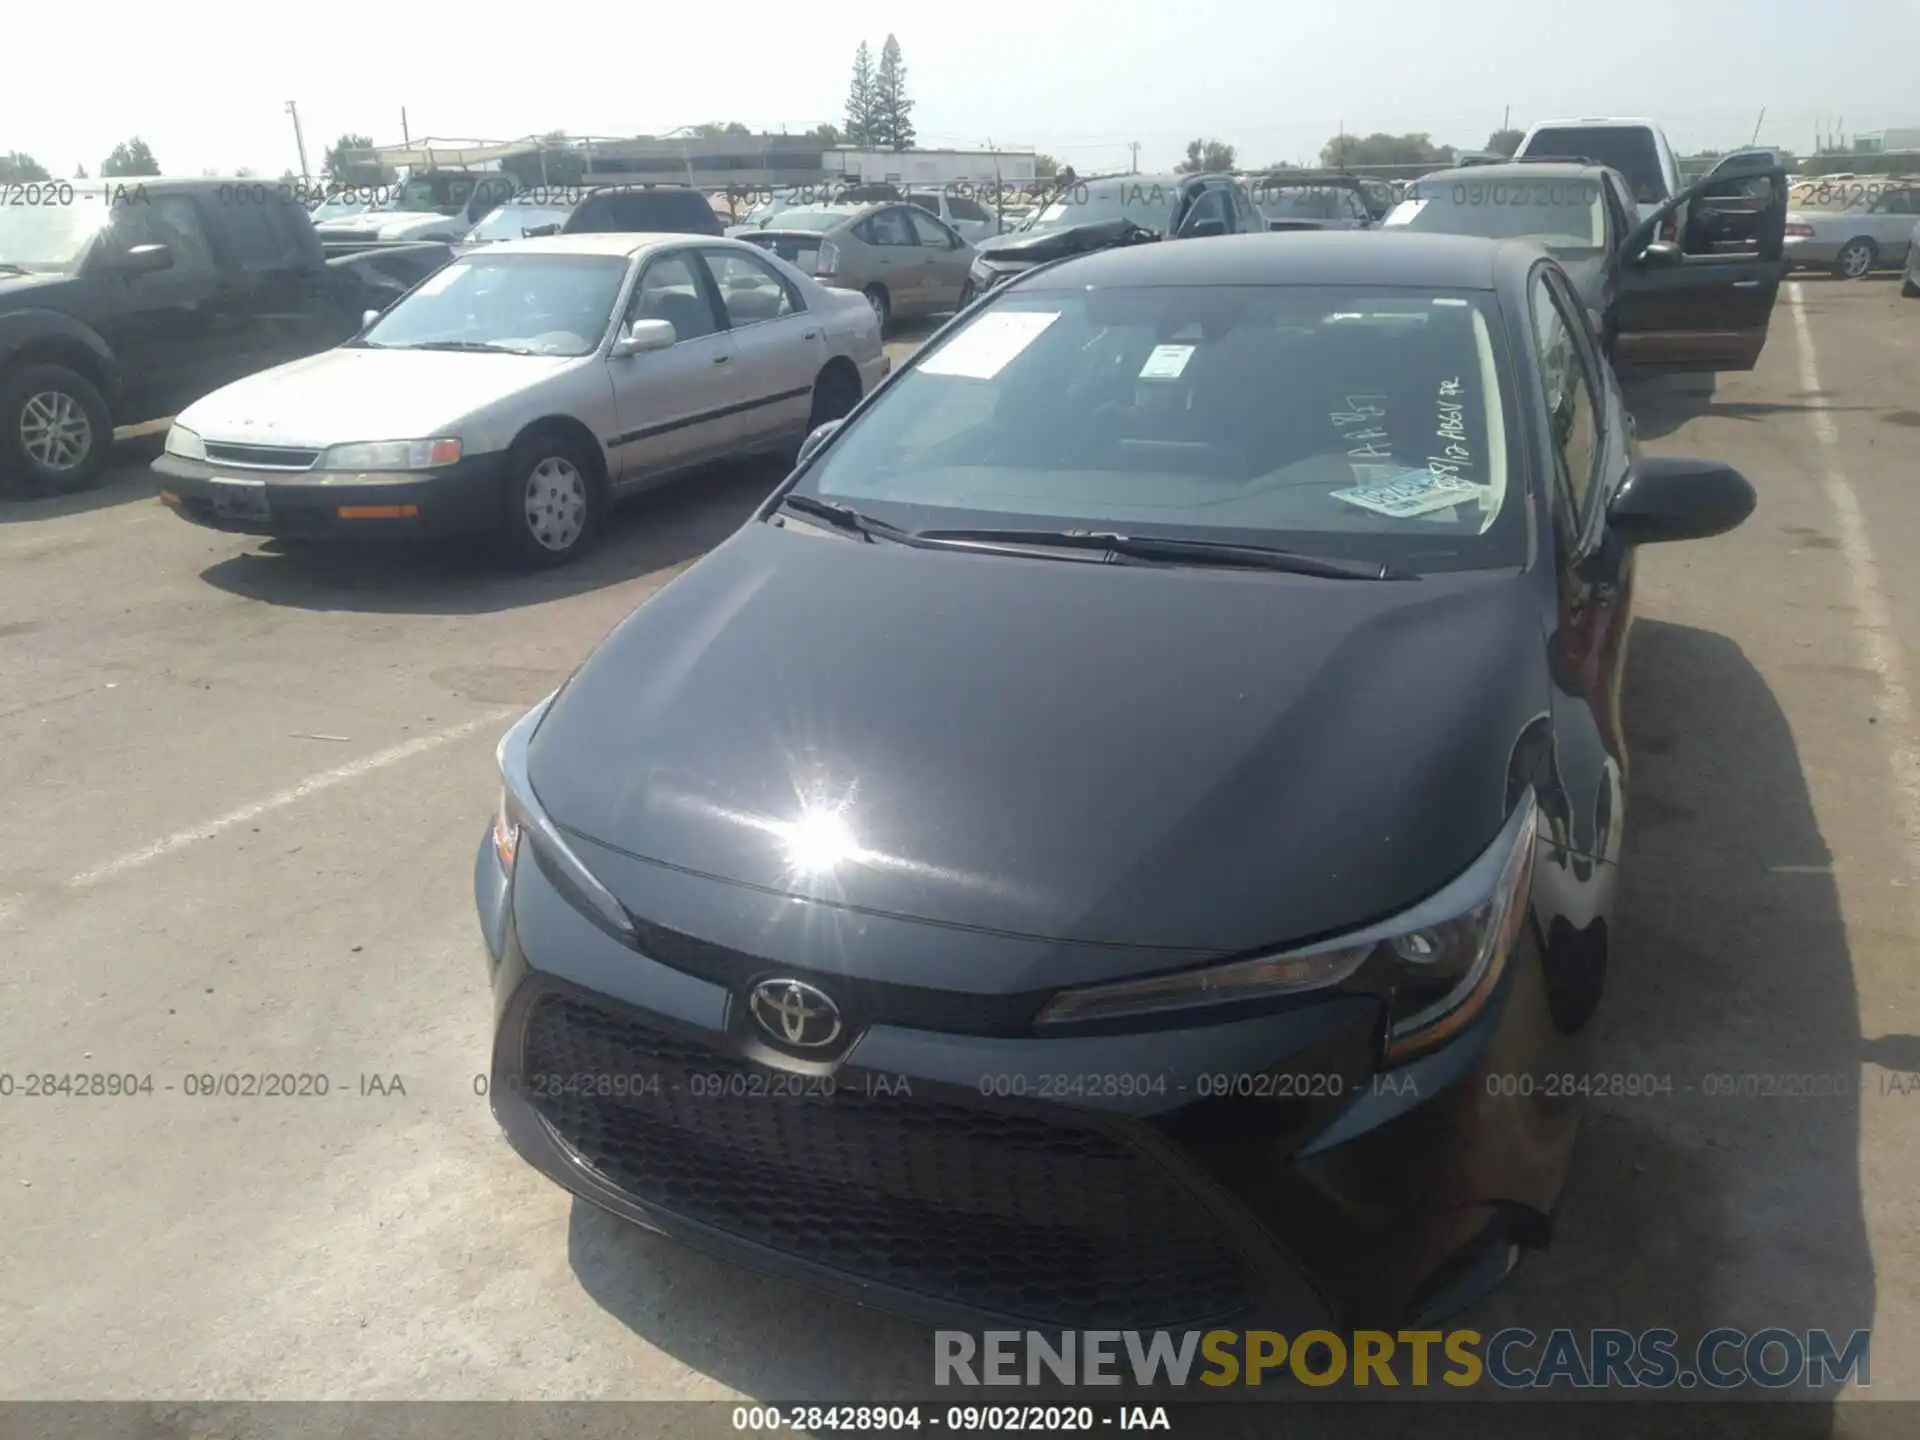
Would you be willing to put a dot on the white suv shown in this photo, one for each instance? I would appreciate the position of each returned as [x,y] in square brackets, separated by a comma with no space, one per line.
[1638,149]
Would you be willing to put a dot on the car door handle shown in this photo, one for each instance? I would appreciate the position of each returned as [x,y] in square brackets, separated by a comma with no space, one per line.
[811,335]
[1746,284]
[721,359]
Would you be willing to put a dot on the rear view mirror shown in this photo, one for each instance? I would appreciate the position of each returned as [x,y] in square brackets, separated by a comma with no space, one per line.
[145,259]
[367,317]
[814,441]
[1668,497]
[644,335]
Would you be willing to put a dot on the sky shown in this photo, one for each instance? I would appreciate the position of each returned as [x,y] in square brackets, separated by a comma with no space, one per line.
[1080,79]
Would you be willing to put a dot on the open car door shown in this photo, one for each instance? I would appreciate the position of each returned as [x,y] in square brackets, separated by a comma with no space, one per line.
[1705,303]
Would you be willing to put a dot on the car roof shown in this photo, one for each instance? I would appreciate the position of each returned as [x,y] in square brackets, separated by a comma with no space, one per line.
[624,245]
[1340,257]
[1623,121]
[1518,170]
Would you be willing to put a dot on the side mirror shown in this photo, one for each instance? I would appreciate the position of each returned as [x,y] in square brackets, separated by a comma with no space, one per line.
[814,441]
[1661,255]
[644,335]
[1668,497]
[367,317]
[145,259]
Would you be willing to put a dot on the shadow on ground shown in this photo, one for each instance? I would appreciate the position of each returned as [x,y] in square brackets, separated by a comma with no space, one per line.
[469,577]
[1690,1209]
[126,479]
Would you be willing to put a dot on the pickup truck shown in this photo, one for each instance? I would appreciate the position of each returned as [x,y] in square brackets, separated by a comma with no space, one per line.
[439,205]
[123,301]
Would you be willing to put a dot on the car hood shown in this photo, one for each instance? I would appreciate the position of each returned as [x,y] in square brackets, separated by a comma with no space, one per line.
[363,394]
[1131,756]
[392,225]
[1025,249]
[33,292]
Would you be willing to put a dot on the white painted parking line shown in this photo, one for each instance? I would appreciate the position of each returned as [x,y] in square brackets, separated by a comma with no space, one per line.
[1875,636]
[313,785]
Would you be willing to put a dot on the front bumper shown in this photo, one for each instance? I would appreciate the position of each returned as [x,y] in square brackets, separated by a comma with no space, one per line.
[460,499]
[982,1179]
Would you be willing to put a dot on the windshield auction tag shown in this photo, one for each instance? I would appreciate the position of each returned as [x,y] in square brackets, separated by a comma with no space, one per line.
[1166,362]
[984,348]
[1403,213]
[1416,492]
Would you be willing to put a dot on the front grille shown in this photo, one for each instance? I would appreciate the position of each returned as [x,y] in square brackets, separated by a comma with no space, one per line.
[263,457]
[1035,1218]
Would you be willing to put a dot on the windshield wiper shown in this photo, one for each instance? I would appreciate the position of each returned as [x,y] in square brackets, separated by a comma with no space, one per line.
[489,348]
[1178,550]
[845,517]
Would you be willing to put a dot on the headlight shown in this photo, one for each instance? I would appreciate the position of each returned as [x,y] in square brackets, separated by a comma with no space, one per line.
[983,275]
[184,443]
[390,455]
[520,826]
[1435,965]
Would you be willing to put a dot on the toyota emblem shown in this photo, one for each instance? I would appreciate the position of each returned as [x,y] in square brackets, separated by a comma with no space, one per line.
[795,1013]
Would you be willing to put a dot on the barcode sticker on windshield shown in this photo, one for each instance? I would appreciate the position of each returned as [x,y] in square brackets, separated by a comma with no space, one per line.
[1166,362]
[1416,492]
[984,348]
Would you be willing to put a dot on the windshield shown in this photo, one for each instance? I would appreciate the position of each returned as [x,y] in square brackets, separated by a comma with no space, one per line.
[1148,203]
[514,221]
[801,252]
[50,233]
[1566,216]
[1346,423]
[444,192]
[1306,202]
[1626,148]
[527,304]
[820,220]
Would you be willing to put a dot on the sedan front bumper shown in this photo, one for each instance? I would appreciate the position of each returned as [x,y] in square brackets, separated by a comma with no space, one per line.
[458,499]
[1254,1171]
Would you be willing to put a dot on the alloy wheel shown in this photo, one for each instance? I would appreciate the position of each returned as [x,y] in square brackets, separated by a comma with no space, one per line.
[556,504]
[1856,260]
[55,431]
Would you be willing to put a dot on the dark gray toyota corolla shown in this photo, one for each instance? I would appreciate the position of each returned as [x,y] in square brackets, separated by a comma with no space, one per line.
[1126,835]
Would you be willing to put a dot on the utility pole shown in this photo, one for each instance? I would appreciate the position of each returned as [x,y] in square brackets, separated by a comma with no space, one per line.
[1756,126]
[298,139]
[405,136]
[1134,146]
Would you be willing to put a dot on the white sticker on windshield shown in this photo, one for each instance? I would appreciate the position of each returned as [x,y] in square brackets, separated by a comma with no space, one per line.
[1166,362]
[982,350]
[1416,492]
[1403,213]
[439,280]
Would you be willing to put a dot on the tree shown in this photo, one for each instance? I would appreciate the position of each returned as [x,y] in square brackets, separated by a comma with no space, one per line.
[1383,149]
[79,172]
[17,165]
[1505,142]
[345,165]
[130,157]
[1274,167]
[861,100]
[1204,156]
[828,135]
[1045,167]
[892,110]
[712,129]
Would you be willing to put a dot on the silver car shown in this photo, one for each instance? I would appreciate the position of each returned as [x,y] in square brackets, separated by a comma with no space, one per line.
[1910,277]
[1873,233]
[961,212]
[525,387]
[904,260]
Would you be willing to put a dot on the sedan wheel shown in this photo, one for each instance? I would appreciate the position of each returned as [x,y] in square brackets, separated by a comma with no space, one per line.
[553,501]
[882,305]
[556,504]
[1855,260]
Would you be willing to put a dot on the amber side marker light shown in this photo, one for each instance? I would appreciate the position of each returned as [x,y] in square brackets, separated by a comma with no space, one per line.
[377,512]
[167,497]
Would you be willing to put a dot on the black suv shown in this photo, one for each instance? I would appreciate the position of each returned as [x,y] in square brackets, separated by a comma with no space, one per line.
[1081,216]
[580,210]
[124,301]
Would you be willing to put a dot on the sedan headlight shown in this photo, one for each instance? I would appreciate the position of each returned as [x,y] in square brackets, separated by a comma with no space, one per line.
[520,826]
[184,443]
[1435,965]
[390,455]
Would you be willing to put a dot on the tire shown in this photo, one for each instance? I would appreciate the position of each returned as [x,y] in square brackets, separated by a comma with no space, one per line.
[1910,287]
[553,502]
[56,432]
[835,392]
[1856,259]
[967,294]
[881,302]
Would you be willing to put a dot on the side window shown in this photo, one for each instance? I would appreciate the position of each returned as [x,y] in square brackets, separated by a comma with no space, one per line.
[1211,204]
[170,220]
[930,233]
[750,289]
[889,227]
[670,290]
[965,209]
[1896,202]
[1570,396]
[251,235]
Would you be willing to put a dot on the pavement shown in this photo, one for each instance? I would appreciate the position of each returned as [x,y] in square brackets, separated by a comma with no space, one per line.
[243,790]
